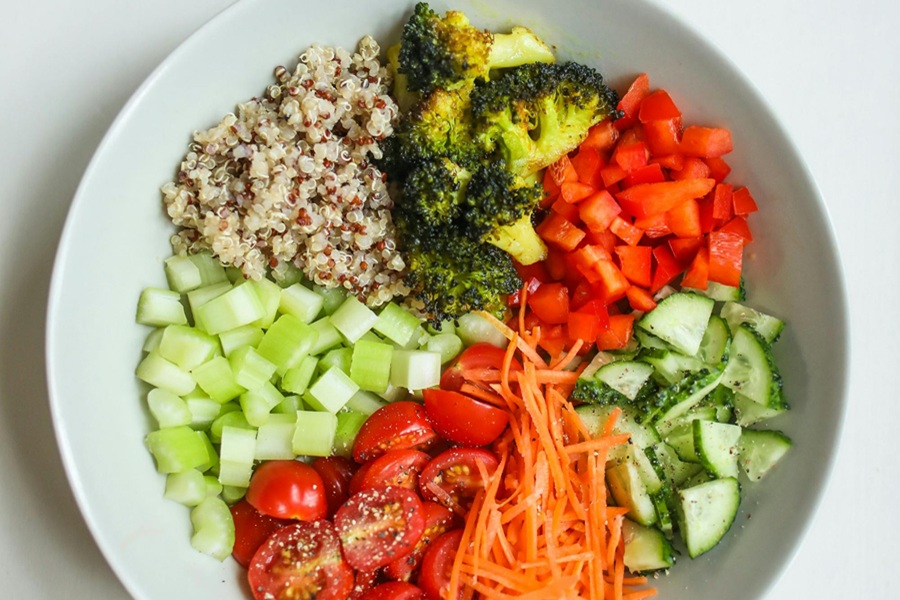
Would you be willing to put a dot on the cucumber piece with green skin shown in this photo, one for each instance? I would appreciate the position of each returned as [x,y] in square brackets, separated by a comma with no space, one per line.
[626,377]
[716,339]
[671,469]
[706,513]
[594,417]
[716,447]
[751,368]
[760,450]
[646,548]
[721,292]
[767,326]
[680,320]
[670,366]
[678,399]
[629,491]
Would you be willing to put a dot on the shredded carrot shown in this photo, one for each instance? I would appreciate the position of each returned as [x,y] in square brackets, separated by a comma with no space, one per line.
[541,527]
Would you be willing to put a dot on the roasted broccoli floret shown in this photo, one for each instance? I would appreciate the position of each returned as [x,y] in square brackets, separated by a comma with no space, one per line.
[443,52]
[435,191]
[534,114]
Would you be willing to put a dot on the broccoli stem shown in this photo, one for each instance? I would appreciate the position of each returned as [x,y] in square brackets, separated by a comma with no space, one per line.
[519,47]
[520,241]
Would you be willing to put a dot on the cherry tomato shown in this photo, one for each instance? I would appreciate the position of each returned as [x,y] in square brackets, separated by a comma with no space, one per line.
[394,590]
[251,529]
[437,565]
[437,521]
[336,473]
[288,489]
[463,419]
[477,356]
[396,426]
[363,582]
[379,525]
[302,560]
[356,482]
[457,475]
[396,467]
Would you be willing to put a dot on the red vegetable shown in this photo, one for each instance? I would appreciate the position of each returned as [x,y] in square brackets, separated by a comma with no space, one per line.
[288,489]
[463,419]
[251,529]
[393,427]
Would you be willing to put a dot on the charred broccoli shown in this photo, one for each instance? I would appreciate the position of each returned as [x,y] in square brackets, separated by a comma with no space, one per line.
[443,52]
[535,113]
[435,191]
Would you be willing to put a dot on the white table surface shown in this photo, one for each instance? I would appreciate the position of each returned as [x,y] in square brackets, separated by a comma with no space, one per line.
[830,70]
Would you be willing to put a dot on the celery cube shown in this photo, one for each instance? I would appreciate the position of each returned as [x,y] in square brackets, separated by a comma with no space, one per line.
[187,487]
[290,405]
[250,369]
[168,409]
[333,297]
[186,346]
[182,274]
[370,366]
[258,403]
[211,269]
[238,306]
[238,445]
[200,296]
[274,440]
[397,324]
[269,294]
[204,410]
[248,335]
[176,449]
[287,342]
[213,487]
[296,380]
[302,302]
[415,369]
[364,402]
[213,528]
[151,343]
[331,391]
[353,319]
[328,336]
[216,379]
[161,373]
[337,357]
[314,433]
[448,345]
[234,418]
[159,307]
[348,425]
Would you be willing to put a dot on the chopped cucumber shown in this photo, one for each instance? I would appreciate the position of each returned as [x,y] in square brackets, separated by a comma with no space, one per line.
[767,326]
[629,491]
[706,512]
[680,320]
[626,377]
[473,328]
[594,417]
[760,450]
[716,446]
[751,368]
[646,548]
[714,345]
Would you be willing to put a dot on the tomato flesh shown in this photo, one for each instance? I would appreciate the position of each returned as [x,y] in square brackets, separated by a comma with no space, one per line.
[477,356]
[396,426]
[251,529]
[453,478]
[336,473]
[394,590]
[438,520]
[437,564]
[379,525]
[302,560]
[396,467]
[288,489]
[463,419]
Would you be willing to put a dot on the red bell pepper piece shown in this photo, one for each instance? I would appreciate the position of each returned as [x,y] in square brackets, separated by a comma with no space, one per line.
[723,204]
[561,171]
[744,204]
[640,299]
[706,142]
[725,257]
[630,103]
[587,163]
[585,258]
[575,191]
[567,210]
[625,231]
[605,239]
[612,281]
[536,271]
[739,226]
[529,286]
[658,106]
[684,249]
[718,168]
[553,339]
[663,136]
[598,210]
[667,268]
[636,263]
[618,334]
[601,137]
[655,226]
[684,219]
[556,229]
[673,162]
[550,302]
[556,264]
[655,198]
[651,173]
[612,174]
[693,168]
[697,274]
[631,156]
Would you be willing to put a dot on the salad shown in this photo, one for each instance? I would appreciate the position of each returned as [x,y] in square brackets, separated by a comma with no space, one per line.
[465,324]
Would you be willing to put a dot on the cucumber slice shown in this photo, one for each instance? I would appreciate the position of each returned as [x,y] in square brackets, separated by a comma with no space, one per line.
[680,398]
[747,412]
[594,417]
[671,367]
[767,326]
[646,548]
[626,377]
[716,446]
[760,450]
[671,469]
[721,292]
[629,491]
[680,320]
[714,345]
[751,369]
[706,512]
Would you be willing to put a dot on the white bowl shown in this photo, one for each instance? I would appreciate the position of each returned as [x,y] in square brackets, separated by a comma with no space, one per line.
[117,235]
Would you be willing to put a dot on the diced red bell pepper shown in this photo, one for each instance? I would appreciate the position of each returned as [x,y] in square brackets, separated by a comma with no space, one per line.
[630,103]
[658,106]
[550,302]
[606,239]
[655,198]
[562,171]
[601,137]
[654,226]
[529,286]
[707,222]
[739,226]
[585,258]
[718,168]
[667,268]
[663,136]
[556,229]
[551,188]
[618,334]
[725,257]
[706,142]
[556,263]
[631,156]
[553,339]
[567,210]
[693,168]
[625,231]
[612,174]
[697,274]
[612,281]
[598,210]
[744,204]
[588,322]
[640,299]
[575,191]
[684,219]
[635,263]
[723,205]
[587,162]
[583,294]
[684,249]
[651,173]
[536,271]
[673,162]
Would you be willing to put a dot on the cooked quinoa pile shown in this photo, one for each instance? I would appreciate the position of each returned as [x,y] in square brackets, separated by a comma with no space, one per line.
[287,180]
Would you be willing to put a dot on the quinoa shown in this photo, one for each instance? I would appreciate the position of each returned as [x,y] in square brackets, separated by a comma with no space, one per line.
[289,180]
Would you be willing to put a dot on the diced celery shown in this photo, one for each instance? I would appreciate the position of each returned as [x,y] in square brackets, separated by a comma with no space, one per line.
[159,307]
[394,393]
[364,402]
[213,487]
[396,324]
[216,379]
[274,440]
[297,379]
[370,366]
[288,274]
[168,409]
[203,409]
[287,342]
[314,433]
[331,391]
[200,296]
[233,274]
[236,454]
[151,342]
[233,493]
[333,298]
[415,369]
[248,335]
[302,302]
[269,294]
[213,528]
[182,274]
[212,457]
[211,269]
[187,487]
[237,307]
[233,418]
[328,336]
[337,357]
[348,425]
[250,369]
[258,403]
[176,449]
[186,346]
[473,328]
[448,345]
[371,336]
[161,373]
[290,405]
[353,319]
[418,340]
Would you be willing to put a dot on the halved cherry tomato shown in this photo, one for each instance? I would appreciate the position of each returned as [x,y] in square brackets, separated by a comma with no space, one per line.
[393,427]
[395,467]
[378,526]
[288,489]
[438,563]
[477,356]
[463,419]
[453,478]
[394,590]
[363,582]
[437,521]
[251,529]
[336,473]
[302,560]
